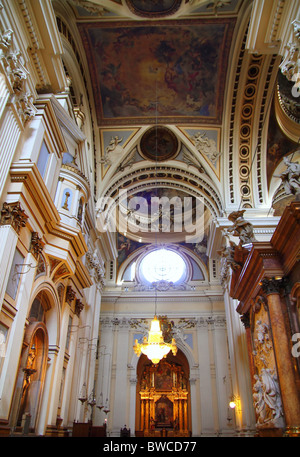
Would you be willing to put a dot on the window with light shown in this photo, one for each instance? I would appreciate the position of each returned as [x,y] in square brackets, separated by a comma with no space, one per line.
[163,265]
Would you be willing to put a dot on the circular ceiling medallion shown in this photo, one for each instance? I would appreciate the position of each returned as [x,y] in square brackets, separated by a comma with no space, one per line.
[159,144]
[154,8]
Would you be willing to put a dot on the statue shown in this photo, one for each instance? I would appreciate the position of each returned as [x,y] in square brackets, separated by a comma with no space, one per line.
[6,40]
[227,253]
[271,392]
[206,146]
[266,397]
[291,177]
[241,228]
[259,403]
[112,151]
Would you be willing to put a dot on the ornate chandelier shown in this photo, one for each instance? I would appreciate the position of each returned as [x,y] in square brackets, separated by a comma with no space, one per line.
[155,347]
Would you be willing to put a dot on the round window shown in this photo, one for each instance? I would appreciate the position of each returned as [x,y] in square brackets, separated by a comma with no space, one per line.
[163,265]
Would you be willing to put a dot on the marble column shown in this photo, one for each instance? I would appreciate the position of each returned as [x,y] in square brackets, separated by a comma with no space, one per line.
[287,381]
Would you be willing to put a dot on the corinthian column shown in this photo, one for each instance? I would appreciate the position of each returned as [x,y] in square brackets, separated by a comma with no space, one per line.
[287,381]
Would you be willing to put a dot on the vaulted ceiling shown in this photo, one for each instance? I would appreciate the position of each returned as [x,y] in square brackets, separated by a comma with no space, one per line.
[176,96]
[157,61]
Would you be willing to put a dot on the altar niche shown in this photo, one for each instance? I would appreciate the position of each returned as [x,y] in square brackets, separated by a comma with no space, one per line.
[163,397]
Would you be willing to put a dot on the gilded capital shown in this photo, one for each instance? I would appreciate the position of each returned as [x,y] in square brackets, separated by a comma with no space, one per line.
[273,285]
[12,214]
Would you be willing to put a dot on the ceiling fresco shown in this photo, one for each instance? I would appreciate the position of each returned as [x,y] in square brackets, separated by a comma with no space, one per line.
[155,8]
[163,72]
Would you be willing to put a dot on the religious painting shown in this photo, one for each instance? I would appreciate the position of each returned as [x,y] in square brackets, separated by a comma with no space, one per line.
[125,247]
[163,378]
[164,72]
[164,411]
[159,144]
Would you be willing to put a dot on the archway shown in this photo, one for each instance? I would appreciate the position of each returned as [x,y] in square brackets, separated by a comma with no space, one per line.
[163,397]
[32,370]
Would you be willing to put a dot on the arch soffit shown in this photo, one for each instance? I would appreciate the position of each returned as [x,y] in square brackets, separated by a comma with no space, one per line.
[177,177]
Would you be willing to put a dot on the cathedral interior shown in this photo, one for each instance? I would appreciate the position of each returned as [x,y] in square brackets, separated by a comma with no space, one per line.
[150,199]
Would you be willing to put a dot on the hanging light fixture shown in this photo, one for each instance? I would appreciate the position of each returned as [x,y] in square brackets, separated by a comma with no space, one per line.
[100,404]
[155,347]
[83,394]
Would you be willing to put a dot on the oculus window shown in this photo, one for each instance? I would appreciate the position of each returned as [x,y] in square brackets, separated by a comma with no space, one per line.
[163,265]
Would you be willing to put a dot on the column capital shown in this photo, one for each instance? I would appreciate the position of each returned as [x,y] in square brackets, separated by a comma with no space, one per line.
[273,285]
[245,319]
[12,214]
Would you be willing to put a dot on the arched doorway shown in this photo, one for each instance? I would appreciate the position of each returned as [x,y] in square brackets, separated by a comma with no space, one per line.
[163,397]
[31,375]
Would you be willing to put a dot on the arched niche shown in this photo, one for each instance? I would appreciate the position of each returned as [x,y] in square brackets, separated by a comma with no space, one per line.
[163,403]
[31,376]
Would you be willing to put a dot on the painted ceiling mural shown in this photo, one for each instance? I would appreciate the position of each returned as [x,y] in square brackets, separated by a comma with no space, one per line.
[167,72]
[155,8]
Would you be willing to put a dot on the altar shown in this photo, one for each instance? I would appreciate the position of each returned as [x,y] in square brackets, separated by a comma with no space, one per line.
[164,400]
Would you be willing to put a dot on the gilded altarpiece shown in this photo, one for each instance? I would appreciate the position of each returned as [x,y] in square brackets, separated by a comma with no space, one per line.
[164,400]
[266,392]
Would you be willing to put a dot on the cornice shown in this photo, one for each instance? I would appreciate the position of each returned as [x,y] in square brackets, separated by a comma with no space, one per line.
[27,174]
[263,261]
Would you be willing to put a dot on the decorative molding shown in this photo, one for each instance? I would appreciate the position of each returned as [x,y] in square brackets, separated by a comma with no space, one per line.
[231,155]
[78,307]
[12,66]
[246,128]
[96,267]
[70,295]
[206,146]
[12,214]
[36,245]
